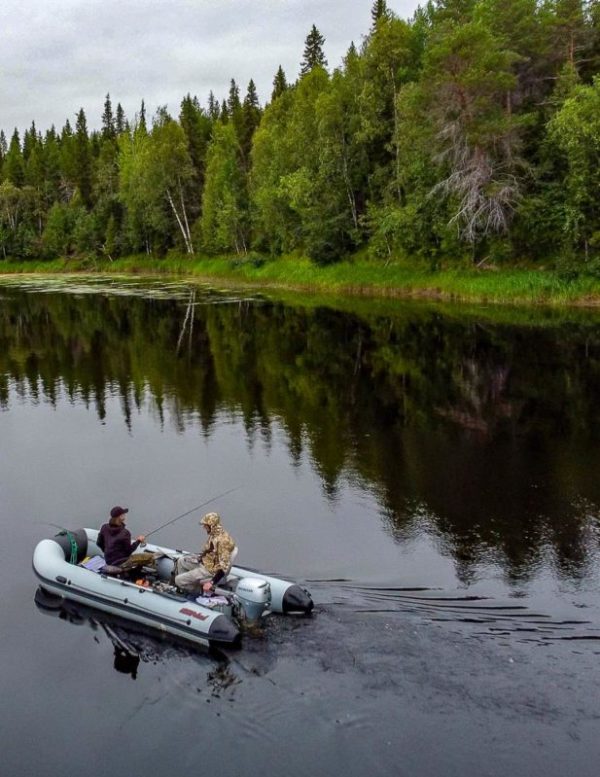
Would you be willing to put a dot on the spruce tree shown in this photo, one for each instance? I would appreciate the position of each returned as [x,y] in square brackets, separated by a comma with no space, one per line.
[280,84]
[313,52]
[459,11]
[30,140]
[224,112]
[251,98]
[379,11]
[197,127]
[83,158]
[250,120]
[68,165]
[142,119]
[51,165]
[34,163]
[214,110]
[3,150]
[14,169]
[108,120]
[233,100]
[120,120]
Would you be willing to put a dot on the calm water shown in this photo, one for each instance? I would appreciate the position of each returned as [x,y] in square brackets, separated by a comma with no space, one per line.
[431,475]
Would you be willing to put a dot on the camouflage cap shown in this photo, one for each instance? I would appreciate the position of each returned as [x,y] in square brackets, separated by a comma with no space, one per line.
[211,520]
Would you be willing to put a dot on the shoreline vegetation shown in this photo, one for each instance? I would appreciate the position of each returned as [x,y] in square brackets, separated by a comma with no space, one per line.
[358,277]
[454,155]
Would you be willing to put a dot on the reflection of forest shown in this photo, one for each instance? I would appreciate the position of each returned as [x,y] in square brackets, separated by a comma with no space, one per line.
[489,429]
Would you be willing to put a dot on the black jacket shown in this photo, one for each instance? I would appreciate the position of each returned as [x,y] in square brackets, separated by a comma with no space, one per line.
[115,542]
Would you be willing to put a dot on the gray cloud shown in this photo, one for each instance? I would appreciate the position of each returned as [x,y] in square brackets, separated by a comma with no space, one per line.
[59,55]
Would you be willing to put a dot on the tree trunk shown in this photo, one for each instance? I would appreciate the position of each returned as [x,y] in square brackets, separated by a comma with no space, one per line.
[346,176]
[185,218]
[181,227]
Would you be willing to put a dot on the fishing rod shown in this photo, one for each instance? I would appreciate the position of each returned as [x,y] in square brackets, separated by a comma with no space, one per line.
[193,510]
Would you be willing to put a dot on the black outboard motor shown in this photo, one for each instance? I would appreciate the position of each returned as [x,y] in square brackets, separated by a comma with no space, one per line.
[297,600]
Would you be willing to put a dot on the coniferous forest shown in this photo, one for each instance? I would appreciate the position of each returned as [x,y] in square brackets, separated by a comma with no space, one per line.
[468,133]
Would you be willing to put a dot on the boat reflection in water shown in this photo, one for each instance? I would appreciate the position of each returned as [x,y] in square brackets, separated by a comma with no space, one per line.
[132,643]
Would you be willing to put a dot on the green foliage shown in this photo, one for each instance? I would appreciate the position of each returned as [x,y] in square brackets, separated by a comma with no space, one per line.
[468,131]
[57,237]
[575,131]
[224,221]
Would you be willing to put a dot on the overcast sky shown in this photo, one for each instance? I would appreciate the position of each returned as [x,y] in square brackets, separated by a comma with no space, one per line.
[59,55]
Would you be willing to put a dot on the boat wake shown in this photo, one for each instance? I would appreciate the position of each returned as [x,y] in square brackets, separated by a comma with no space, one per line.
[495,618]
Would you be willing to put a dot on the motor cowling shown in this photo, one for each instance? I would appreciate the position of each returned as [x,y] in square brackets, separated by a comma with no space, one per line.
[253,597]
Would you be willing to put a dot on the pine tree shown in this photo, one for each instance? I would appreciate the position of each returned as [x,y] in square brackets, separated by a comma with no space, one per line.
[83,158]
[313,52]
[280,84]
[197,127]
[120,120]
[14,169]
[34,167]
[51,166]
[233,100]
[3,150]
[214,110]
[250,120]
[142,118]
[251,98]
[108,121]
[224,112]
[571,34]
[379,11]
[30,140]
[459,11]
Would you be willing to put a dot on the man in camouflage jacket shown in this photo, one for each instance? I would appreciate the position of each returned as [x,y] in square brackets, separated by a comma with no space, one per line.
[212,564]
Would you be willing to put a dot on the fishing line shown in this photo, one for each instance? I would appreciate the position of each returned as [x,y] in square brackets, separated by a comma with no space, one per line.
[193,510]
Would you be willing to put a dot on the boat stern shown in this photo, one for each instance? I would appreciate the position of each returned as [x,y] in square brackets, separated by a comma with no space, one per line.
[297,600]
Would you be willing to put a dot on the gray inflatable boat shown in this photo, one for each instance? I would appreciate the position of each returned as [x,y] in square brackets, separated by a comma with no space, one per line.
[70,565]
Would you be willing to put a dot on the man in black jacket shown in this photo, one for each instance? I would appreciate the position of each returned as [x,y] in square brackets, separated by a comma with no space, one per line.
[114,540]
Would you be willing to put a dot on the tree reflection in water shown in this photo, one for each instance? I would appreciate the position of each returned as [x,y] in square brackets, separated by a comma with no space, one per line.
[489,427]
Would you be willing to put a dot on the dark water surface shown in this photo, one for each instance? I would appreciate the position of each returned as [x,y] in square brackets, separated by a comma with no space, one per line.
[431,475]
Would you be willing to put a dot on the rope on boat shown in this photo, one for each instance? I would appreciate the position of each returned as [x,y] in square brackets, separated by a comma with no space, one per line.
[72,541]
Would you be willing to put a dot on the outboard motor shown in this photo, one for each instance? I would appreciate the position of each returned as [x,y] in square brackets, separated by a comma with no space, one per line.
[253,597]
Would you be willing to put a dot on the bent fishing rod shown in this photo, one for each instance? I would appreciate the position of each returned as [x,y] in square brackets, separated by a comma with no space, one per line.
[193,510]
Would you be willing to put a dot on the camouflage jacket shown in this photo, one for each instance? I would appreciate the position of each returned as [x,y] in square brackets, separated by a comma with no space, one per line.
[216,553]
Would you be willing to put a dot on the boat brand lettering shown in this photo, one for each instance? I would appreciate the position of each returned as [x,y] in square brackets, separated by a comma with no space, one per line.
[193,613]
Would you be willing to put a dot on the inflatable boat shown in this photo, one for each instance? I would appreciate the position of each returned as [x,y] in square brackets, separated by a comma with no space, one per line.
[71,566]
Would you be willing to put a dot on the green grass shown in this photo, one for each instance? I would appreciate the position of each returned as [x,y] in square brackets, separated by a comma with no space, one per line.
[351,277]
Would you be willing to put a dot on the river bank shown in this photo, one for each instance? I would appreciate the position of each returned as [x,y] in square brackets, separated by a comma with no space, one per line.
[358,277]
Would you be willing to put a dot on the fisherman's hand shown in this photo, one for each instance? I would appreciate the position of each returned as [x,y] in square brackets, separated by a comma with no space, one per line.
[208,588]
[141,539]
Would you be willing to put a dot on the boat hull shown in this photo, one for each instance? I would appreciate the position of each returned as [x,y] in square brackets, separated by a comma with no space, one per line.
[166,613]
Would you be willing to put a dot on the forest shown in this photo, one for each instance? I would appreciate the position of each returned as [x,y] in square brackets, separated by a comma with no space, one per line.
[468,134]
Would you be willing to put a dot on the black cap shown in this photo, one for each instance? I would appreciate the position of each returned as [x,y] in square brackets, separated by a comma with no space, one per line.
[117,511]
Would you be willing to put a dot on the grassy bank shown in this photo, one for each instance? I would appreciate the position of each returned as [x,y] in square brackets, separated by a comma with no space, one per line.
[356,277]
